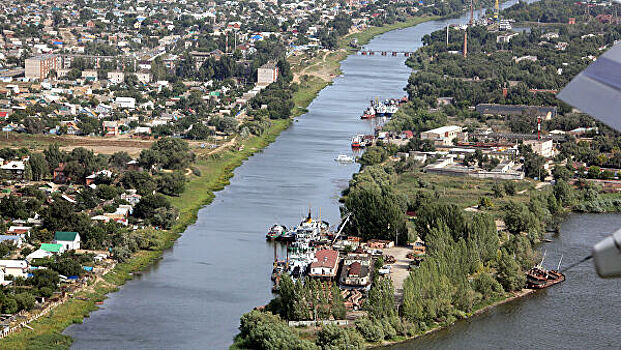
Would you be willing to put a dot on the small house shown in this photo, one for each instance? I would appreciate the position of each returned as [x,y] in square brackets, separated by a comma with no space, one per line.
[69,240]
[325,264]
[15,240]
[15,268]
[111,128]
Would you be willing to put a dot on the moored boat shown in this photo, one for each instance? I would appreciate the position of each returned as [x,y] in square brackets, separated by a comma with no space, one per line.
[343,158]
[539,277]
[369,113]
[357,141]
[275,231]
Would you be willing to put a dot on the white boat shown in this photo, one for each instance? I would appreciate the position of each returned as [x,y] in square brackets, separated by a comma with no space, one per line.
[391,110]
[343,158]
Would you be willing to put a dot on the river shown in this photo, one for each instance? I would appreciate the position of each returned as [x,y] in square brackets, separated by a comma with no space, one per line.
[220,267]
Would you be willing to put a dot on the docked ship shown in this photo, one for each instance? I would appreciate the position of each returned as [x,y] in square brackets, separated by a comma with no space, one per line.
[301,249]
[380,109]
[358,141]
[539,277]
[275,232]
[369,113]
[386,108]
[391,108]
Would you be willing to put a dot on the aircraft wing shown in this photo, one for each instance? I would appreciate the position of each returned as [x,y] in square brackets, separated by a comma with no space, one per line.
[597,90]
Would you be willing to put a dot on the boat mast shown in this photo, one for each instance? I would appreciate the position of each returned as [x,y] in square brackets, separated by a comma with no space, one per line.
[558,268]
[543,258]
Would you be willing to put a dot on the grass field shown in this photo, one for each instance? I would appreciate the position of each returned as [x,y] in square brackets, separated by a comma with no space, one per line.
[462,191]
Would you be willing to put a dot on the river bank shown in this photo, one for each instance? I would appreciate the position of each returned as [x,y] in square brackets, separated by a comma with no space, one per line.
[484,308]
[215,174]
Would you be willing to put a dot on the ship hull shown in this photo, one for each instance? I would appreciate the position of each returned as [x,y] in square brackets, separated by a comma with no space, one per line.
[541,284]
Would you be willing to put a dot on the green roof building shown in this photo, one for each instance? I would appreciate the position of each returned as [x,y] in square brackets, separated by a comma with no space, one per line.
[65,236]
[69,240]
[52,248]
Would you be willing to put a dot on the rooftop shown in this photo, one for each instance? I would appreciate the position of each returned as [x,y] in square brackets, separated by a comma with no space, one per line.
[65,236]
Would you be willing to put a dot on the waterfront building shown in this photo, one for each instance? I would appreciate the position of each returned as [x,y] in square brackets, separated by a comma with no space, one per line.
[325,264]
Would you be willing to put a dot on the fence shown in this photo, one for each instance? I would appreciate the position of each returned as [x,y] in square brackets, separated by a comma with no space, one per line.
[8,330]
[314,323]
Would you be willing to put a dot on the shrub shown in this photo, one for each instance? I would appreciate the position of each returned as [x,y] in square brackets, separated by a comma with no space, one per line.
[372,331]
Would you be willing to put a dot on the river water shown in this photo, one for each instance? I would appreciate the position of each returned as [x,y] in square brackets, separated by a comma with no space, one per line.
[220,267]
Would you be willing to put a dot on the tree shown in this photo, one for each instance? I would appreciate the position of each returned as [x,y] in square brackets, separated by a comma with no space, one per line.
[594,172]
[10,306]
[106,192]
[164,217]
[89,125]
[54,156]
[562,192]
[335,338]
[533,165]
[34,125]
[561,173]
[119,160]
[381,300]
[372,330]
[509,274]
[510,188]
[485,284]
[142,182]
[61,216]
[373,155]
[172,153]
[148,204]
[172,184]
[199,131]
[263,331]
[86,199]
[121,253]
[498,190]
[484,236]
[67,266]
[38,166]
[519,219]
[42,278]
[376,212]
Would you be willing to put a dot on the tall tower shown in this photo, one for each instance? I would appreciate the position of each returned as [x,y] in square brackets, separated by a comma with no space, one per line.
[497,12]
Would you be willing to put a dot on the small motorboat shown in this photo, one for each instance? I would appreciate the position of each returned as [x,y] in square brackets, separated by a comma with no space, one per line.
[343,158]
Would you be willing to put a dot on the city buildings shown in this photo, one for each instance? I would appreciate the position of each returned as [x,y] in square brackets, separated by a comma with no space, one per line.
[39,67]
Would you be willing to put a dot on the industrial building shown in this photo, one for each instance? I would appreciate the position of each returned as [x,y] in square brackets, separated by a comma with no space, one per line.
[516,110]
[444,136]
